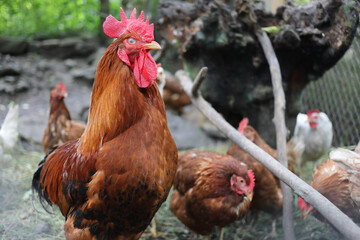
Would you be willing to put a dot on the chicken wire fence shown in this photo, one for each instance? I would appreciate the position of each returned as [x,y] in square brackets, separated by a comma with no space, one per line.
[337,94]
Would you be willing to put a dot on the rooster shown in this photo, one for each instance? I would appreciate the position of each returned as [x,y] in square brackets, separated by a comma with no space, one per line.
[60,128]
[338,179]
[314,131]
[211,189]
[109,183]
[267,192]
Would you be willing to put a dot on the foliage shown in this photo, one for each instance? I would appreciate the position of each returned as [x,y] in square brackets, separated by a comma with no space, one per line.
[44,18]
[271,29]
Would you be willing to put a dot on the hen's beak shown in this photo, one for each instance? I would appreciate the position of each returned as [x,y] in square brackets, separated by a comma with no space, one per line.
[249,194]
[152,46]
[307,211]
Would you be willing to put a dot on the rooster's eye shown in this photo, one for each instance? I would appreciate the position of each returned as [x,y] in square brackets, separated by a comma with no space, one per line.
[131,41]
[242,180]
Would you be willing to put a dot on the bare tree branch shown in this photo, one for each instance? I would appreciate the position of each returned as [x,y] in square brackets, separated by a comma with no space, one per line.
[279,121]
[337,218]
[198,80]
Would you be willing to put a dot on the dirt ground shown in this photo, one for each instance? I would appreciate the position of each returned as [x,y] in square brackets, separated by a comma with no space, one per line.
[22,217]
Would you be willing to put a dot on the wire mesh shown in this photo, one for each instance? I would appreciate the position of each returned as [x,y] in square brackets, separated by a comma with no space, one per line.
[337,94]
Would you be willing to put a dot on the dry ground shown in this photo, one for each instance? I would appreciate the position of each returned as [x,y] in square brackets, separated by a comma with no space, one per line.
[21,217]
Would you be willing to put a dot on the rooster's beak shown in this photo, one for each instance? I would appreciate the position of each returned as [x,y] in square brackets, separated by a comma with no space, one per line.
[152,46]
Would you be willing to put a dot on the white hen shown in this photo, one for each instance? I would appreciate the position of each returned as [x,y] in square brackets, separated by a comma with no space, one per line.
[314,131]
[9,133]
[161,79]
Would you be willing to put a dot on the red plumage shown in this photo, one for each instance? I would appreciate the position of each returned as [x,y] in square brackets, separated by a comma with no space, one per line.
[110,182]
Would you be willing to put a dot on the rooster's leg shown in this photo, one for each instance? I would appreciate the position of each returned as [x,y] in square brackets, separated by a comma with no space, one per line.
[206,237]
[273,233]
[221,233]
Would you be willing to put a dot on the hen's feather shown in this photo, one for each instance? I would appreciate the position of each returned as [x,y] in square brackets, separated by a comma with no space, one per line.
[202,195]
[9,129]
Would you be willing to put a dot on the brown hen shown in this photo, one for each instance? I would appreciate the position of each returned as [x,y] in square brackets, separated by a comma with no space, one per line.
[338,179]
[60,128]
[267,192]
[211,189]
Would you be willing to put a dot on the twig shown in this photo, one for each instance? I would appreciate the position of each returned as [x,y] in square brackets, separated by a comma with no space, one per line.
[337,218]
[198,80]
[279,121]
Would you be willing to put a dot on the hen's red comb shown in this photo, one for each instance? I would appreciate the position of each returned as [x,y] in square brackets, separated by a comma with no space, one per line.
[242,125]
[252,179]
[114,29]
[312,111]
[302,204]
[62,87]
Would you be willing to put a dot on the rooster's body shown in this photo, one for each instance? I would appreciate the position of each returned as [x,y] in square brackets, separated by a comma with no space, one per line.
[60,128]
[204,190]
[110,182]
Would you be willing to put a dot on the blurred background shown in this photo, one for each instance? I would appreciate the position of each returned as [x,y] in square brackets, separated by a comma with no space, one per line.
[43,42]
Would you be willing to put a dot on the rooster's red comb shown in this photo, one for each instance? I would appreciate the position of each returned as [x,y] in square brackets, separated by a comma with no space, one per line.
[252,179]
[62,87]
[114,29]
[242,125]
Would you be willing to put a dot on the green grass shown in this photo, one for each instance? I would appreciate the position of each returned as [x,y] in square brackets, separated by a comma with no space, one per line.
[21,216]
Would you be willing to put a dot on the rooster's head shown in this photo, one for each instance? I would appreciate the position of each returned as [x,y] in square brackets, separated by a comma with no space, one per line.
[137,39]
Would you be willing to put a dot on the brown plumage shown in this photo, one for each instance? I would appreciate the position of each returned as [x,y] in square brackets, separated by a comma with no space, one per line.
[60,128]
[110,182]
[203,195]
[338,179]
[267,192]
[174,96]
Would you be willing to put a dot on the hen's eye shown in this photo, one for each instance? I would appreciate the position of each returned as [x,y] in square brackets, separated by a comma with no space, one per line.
[241,180]
[131,41]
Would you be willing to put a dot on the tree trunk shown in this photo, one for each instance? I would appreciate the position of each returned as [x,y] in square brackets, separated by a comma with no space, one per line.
[307,39]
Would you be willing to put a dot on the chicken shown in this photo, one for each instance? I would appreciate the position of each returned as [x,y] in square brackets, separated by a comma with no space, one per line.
[174,96]
[314,131]
[60,128]
[109,183]
[211,189]
[338,179]
[160,79]
[9,135]
[267,192]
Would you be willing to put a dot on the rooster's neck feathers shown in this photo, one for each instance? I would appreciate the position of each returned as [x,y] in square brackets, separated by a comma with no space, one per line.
[117,102]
